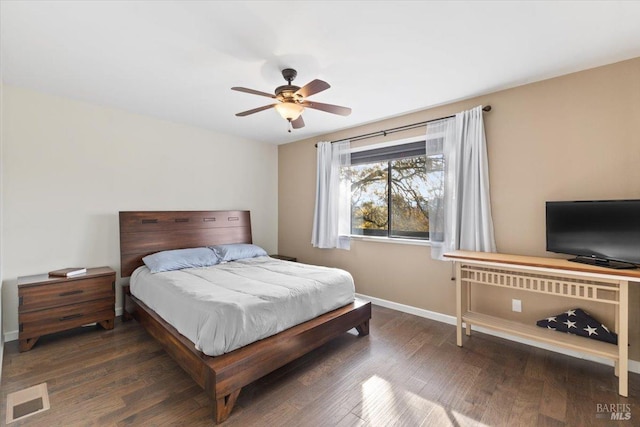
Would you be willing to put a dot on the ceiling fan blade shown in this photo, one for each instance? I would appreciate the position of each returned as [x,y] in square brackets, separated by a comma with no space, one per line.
[255,110]
[329,108]
[297,123]
[253,92]
[312,88]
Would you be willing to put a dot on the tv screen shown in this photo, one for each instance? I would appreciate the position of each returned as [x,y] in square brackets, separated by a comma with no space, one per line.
[598,232]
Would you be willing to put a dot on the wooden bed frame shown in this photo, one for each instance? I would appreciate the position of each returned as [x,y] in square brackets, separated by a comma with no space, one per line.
[222,377]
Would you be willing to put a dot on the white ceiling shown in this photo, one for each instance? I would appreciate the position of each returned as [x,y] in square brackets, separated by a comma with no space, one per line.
[178,60]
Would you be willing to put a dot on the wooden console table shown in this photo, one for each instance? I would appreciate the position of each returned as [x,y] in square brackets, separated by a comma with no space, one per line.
[549,276]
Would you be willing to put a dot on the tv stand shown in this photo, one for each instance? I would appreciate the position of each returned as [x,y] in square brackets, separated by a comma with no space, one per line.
[555,278]
[602,262]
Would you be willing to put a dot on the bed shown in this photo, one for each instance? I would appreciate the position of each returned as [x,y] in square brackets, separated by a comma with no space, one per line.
[222,376]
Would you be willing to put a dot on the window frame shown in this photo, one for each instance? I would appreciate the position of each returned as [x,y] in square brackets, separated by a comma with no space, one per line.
[389,238]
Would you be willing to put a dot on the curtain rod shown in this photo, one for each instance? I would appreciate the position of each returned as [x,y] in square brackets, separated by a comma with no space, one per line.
[399,128]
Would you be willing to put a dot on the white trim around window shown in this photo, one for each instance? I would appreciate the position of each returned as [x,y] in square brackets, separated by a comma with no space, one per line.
[394,240]
[388,144]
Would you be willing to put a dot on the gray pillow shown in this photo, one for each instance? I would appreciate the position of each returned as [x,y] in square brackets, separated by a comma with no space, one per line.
[237,251]
[178,259]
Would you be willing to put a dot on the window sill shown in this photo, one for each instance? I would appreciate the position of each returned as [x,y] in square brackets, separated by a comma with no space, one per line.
[395,240]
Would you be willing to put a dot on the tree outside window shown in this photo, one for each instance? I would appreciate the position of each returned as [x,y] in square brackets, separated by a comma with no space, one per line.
[391,197]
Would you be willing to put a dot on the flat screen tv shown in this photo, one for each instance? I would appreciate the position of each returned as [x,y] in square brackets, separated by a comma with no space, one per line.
[602,232]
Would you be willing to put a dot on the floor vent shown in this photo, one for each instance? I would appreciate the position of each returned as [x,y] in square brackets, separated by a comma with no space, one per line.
[27,402]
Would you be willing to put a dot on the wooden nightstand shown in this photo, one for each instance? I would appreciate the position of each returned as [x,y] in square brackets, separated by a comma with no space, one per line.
[284,257]
[53,304]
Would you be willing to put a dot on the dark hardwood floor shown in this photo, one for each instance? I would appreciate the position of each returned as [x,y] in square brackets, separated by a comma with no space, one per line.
[407,372]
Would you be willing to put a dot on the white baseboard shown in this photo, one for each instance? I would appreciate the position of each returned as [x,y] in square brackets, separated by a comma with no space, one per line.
[634,366]
[10,336]
[13,335]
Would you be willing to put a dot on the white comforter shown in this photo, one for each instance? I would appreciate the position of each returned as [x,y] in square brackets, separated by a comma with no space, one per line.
[227,306]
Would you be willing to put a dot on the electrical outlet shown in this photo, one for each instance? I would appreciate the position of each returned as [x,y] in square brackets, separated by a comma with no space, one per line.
[516,305]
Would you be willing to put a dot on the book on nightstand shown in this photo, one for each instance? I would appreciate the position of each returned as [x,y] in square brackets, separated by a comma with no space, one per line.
[68,272]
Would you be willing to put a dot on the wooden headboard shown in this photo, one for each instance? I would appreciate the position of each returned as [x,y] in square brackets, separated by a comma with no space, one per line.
[145,232]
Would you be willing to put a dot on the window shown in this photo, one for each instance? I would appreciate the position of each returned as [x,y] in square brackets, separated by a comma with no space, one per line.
[391,189]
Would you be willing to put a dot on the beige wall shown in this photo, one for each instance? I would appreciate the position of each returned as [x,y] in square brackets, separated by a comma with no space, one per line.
[567,138]
[69,167]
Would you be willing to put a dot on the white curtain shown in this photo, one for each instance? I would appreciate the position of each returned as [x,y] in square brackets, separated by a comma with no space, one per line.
[461,217]
[332,216]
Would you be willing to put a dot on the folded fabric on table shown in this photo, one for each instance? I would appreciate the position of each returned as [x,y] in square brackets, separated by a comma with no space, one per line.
[579,322]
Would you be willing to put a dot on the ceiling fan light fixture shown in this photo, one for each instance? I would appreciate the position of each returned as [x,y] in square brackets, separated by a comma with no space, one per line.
[291,100]
[289,110]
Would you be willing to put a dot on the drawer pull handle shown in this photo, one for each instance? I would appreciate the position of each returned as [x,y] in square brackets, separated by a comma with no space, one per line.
[181,220]
[233,218]
[71,316]
[209,219]
[149,221]
[66,294]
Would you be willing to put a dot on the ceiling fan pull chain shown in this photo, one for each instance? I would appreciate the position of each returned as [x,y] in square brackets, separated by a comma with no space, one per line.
[289,121]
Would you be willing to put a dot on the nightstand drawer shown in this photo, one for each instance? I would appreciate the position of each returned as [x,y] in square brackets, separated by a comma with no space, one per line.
[51,304]
[36,323]
[60,294]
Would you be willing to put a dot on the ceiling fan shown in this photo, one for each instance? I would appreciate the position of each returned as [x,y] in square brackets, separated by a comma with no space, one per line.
[292,100]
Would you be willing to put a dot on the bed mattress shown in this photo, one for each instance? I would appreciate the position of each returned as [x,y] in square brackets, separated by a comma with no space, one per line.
[227,306]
